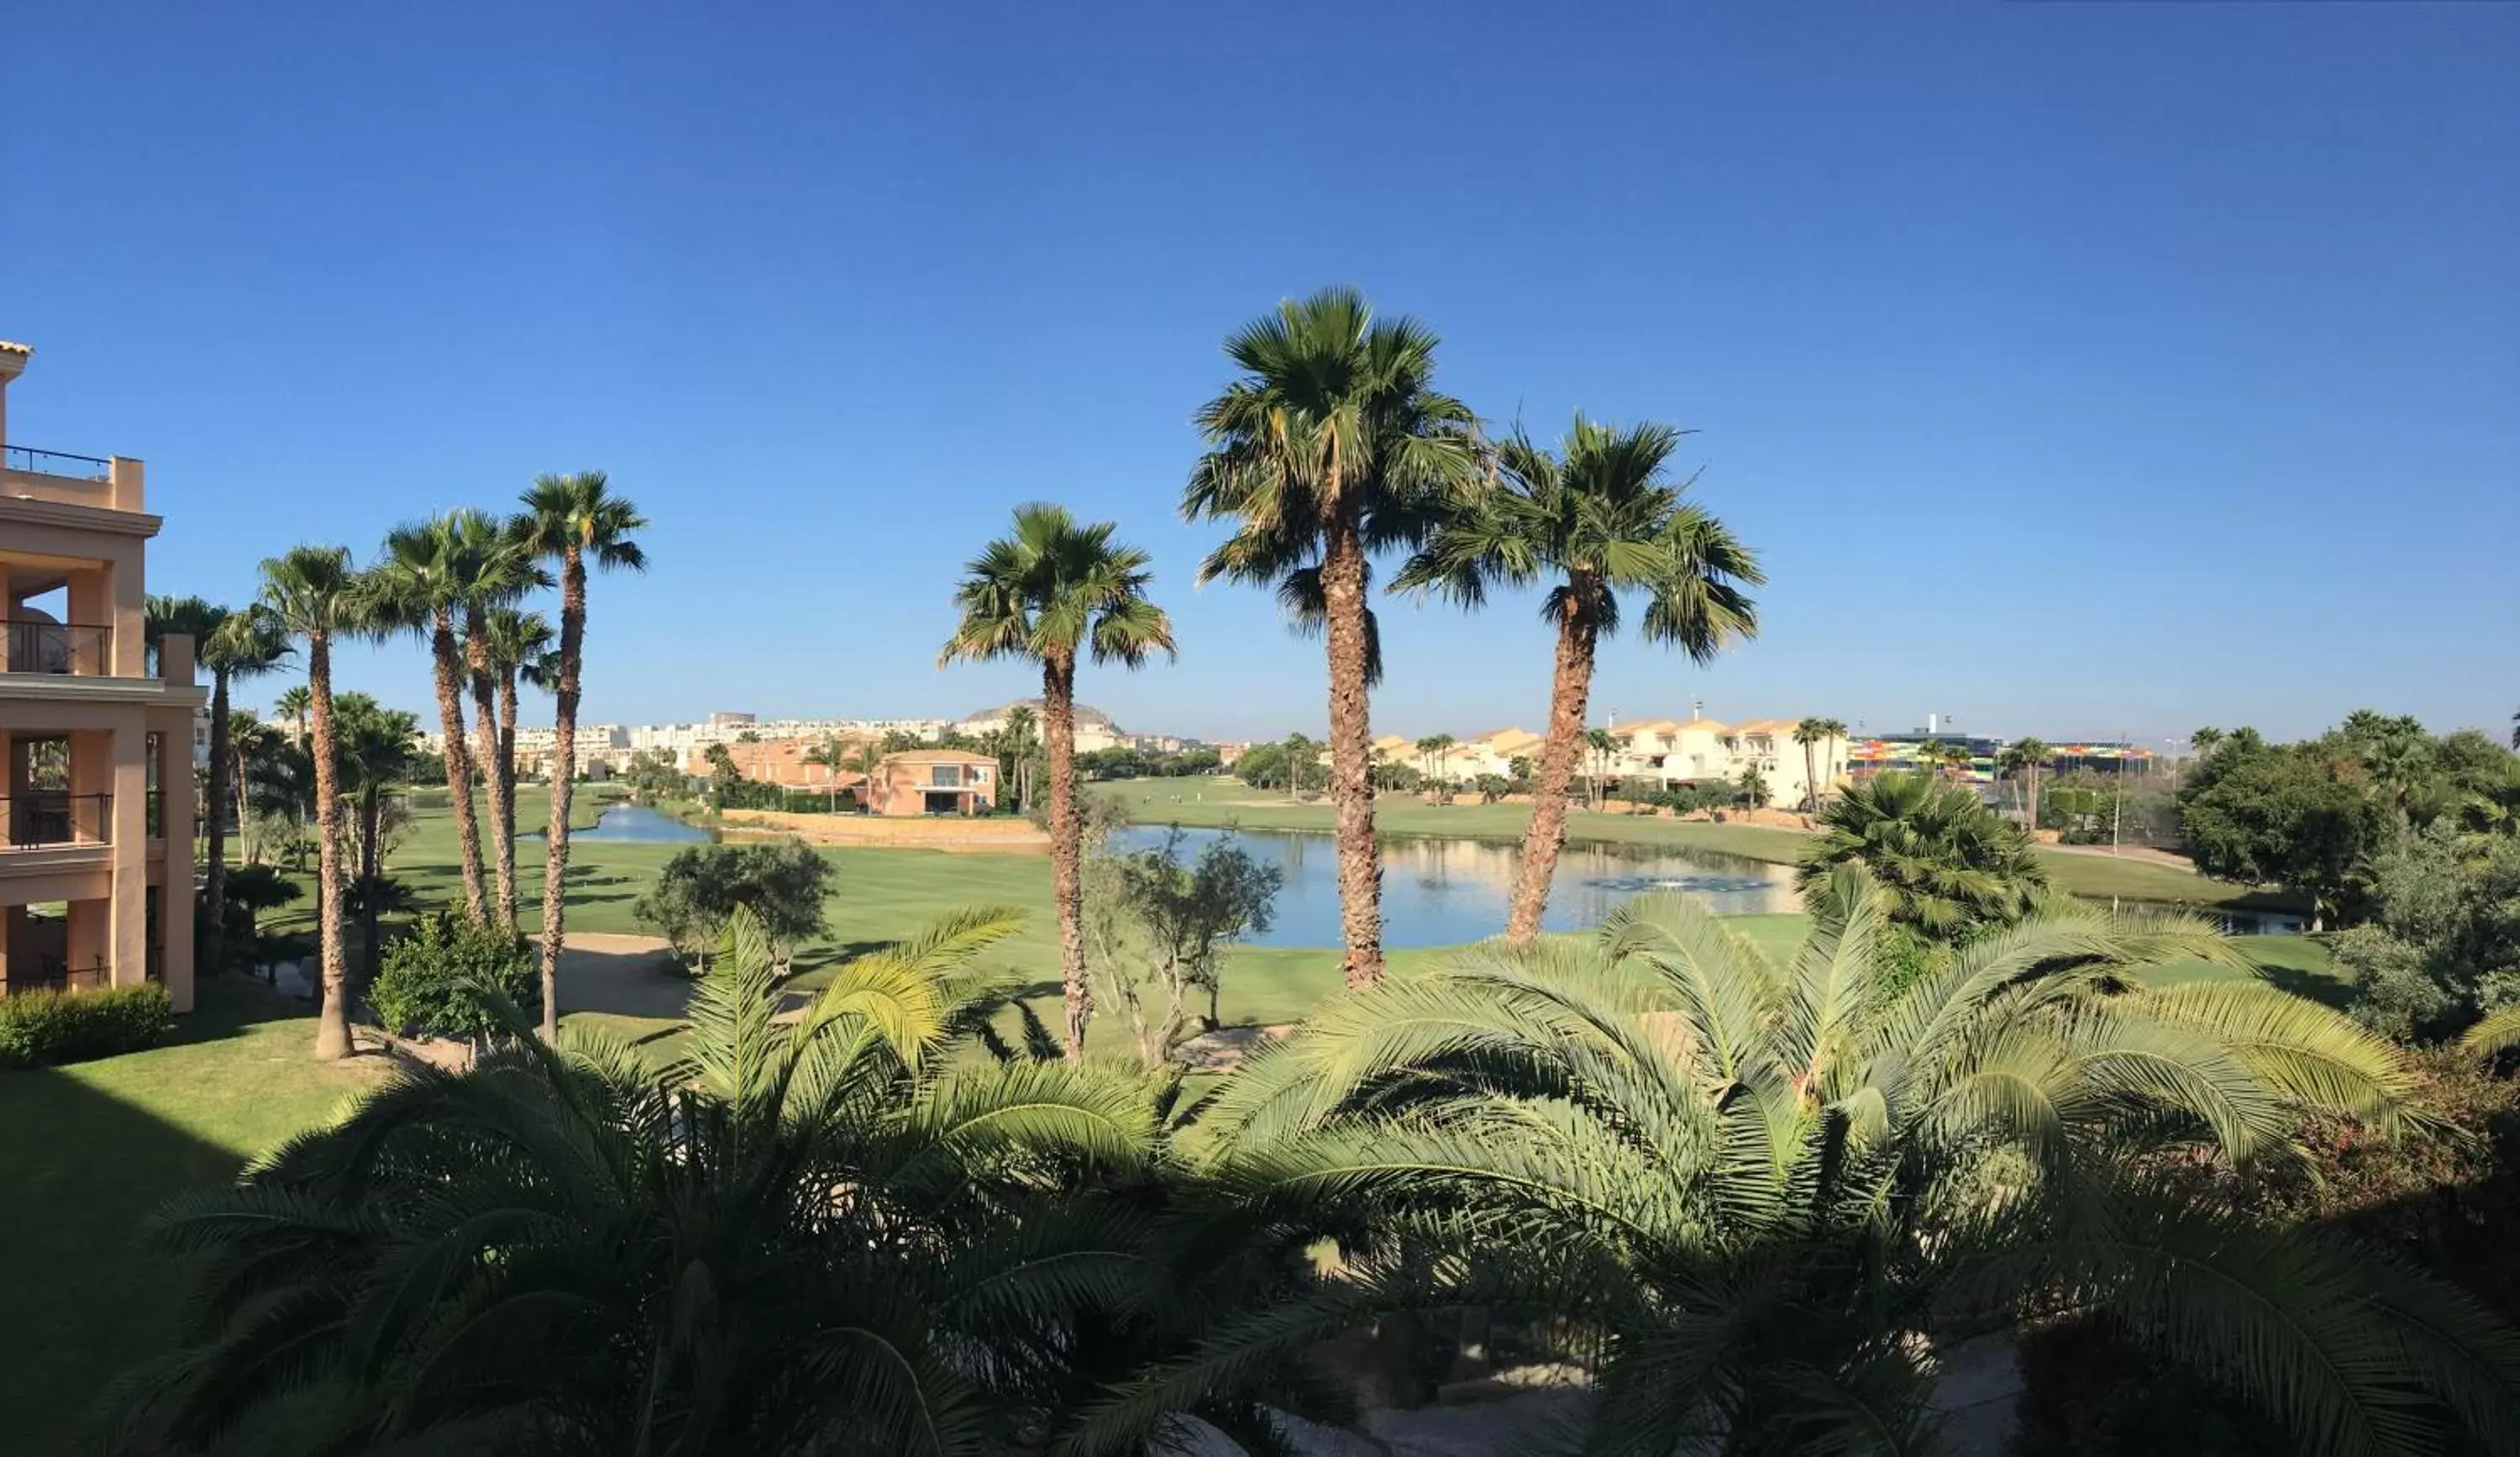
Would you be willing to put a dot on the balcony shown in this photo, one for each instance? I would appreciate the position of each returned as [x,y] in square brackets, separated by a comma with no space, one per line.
[57,974]
[36,645]
[42,817]
[60,465]
[112,483]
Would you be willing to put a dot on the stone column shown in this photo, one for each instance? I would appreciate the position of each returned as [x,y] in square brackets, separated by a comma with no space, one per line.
[128,953]
[175,812]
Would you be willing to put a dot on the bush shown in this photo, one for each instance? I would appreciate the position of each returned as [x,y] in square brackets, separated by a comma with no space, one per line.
[44,1028]
[783,882]
[425,985]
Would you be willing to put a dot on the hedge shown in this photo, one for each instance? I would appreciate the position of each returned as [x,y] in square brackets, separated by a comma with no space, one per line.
[44,1028]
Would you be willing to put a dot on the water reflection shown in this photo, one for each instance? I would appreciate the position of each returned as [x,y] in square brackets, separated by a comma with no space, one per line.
[1442,892]
[637,823]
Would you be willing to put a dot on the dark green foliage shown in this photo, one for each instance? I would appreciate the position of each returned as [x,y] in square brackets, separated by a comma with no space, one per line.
[1951,866]
[2443,942]
[1766,1189]
[2442,1193]
[431,980]
[251,889]
[2088,1391]
[833,1234]
[2297,816]
[781,881]
[46,1029]
[2312,816]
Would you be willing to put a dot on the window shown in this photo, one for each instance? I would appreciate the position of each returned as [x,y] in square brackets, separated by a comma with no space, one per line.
[949,776]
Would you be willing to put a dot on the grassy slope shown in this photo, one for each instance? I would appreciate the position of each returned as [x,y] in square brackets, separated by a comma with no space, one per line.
[91,1151]
[1220,801]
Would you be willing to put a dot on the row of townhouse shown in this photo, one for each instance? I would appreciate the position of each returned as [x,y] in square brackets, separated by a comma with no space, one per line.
[1665,751]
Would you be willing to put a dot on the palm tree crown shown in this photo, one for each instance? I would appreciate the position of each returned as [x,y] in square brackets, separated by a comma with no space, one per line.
[1052,588]
[1599,519]
[580,513]
[1949,864]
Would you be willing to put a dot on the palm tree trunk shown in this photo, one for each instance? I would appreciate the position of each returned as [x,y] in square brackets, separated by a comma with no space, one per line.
[244,820]
[372,811]
[572,641]
[333,1024]
[215,881]
[508,764]
[459,765]
[503,826]
[1066,846]
[1570,692]
[2033,799]
[1360,858]
[1811,777]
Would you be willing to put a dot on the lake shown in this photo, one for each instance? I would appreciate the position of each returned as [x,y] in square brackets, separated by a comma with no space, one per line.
[639,823]
[1442,892]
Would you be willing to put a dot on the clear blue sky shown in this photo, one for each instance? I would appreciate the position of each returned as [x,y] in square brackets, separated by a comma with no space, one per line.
[2078,368]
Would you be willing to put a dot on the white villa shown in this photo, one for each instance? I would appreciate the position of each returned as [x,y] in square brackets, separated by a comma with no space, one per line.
[1665,750]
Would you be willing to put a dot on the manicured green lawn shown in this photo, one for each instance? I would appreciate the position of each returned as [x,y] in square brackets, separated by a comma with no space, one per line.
[88,1152]
[1225,802]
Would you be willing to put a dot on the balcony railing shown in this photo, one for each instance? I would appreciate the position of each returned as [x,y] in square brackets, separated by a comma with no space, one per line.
[35,646]
[55,974]
[38,817]
[69,467]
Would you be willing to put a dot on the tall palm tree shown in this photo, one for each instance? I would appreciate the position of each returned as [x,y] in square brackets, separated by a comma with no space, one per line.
[2023,758]
[836,1232]
[1813,734]
[1597,519]
[572,519]
[418,586]
[1768,1191]
[1043,593]
[866,758]
[1331,446]
[518,641]
[232,645]
[251,742]
[1023,735]
[830,754]
[492,572]
[375,762]
[1426,747]
[314,596]
[292,702]
[1599,743]
[1949,865]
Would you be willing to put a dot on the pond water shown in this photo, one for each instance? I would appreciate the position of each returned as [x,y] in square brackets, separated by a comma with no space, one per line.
[637,822]
[1442,892]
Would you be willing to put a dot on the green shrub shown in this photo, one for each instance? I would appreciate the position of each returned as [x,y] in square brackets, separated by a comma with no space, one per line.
[424,986]
[42,1029]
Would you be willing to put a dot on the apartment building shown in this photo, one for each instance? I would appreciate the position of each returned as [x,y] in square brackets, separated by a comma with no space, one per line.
[96,730]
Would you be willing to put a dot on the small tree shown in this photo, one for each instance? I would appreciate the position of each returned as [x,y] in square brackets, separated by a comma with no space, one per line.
[433,977]
[1162,927]
[782,882]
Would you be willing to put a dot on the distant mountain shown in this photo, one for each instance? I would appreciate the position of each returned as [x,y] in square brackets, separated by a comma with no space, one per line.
[1086,714]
